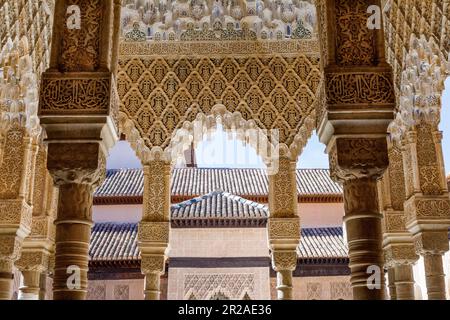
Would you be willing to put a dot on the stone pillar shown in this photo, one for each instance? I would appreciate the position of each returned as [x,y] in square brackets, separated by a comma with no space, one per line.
[74,218]
[352,120]
[364,237]
[398,243]
[391,283]
[19,131]
[154,228]
[43,286]
[284,223]
[404,282]
[39,245]
[427,202]
[78,110]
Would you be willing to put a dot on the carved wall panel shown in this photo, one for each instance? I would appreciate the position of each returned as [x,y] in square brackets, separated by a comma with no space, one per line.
[205,286]
[276,88]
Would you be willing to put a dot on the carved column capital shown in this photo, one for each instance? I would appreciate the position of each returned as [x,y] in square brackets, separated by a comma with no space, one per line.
[80,163]
[153,232]
[359,157]
[33,260]
[400,254]
[431,242]
[284,233]
[153,264]
[284,260]
[10,247]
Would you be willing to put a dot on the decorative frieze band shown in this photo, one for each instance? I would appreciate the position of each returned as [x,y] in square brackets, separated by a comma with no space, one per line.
[360,88]
[208,48]
[284,228]
[154,231]
[75,93]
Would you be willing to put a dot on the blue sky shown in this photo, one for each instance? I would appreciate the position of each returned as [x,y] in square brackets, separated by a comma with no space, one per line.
[222,152]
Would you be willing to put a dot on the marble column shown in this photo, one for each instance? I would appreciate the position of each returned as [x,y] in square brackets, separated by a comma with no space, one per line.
[154,228]
[427,202]
[391,283]
[398,243]
[79,111]
[284,223]
[364,237]
[74,217]
[352,121]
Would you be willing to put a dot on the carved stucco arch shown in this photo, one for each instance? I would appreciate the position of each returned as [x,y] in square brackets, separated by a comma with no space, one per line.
[270,88]
[205,125]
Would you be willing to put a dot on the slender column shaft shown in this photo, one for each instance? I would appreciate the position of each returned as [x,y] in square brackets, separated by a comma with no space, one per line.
[9,251]
[43,286]
[364,237]
[404,282]
[73,229]
[284,225]
[435,277]
[152,286]
[29,289]
[284,285]
[391,284]
[6,282]
[154,229]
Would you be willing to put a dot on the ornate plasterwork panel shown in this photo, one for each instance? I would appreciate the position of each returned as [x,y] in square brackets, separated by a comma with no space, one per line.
[402,18]
[271,83]
[175,20]
[33,19]
[234,286]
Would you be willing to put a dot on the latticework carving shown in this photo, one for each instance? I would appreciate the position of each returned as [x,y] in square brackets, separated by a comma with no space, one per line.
[277,91]
[206,286]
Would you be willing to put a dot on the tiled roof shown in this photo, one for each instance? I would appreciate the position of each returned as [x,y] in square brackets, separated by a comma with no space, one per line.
[218,205]
[192,182]
[322,243]
[116,242]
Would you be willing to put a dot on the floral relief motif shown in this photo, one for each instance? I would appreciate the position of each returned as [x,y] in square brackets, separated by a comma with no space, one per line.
[355,43]
[80,48]
[160,94]
[234,285]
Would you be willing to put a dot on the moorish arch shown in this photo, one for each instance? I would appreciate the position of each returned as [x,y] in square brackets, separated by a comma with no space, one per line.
[355,103]
[421,206]
[174,72]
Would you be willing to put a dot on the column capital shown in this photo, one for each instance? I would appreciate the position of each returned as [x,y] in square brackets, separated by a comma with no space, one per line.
[398,254]
[80,163]
[284,260]
[33,260]
[358,157]
[153,236]
[153,264]
[10,247]
[431,242]
[284,233]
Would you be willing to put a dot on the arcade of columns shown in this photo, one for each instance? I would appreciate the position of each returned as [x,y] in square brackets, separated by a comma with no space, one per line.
[48,176]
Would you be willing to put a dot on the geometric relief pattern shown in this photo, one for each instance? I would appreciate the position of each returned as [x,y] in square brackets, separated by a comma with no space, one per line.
[341,291]
[314,291]
[213,286]
[160,93]
[121,292]
[96,291]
